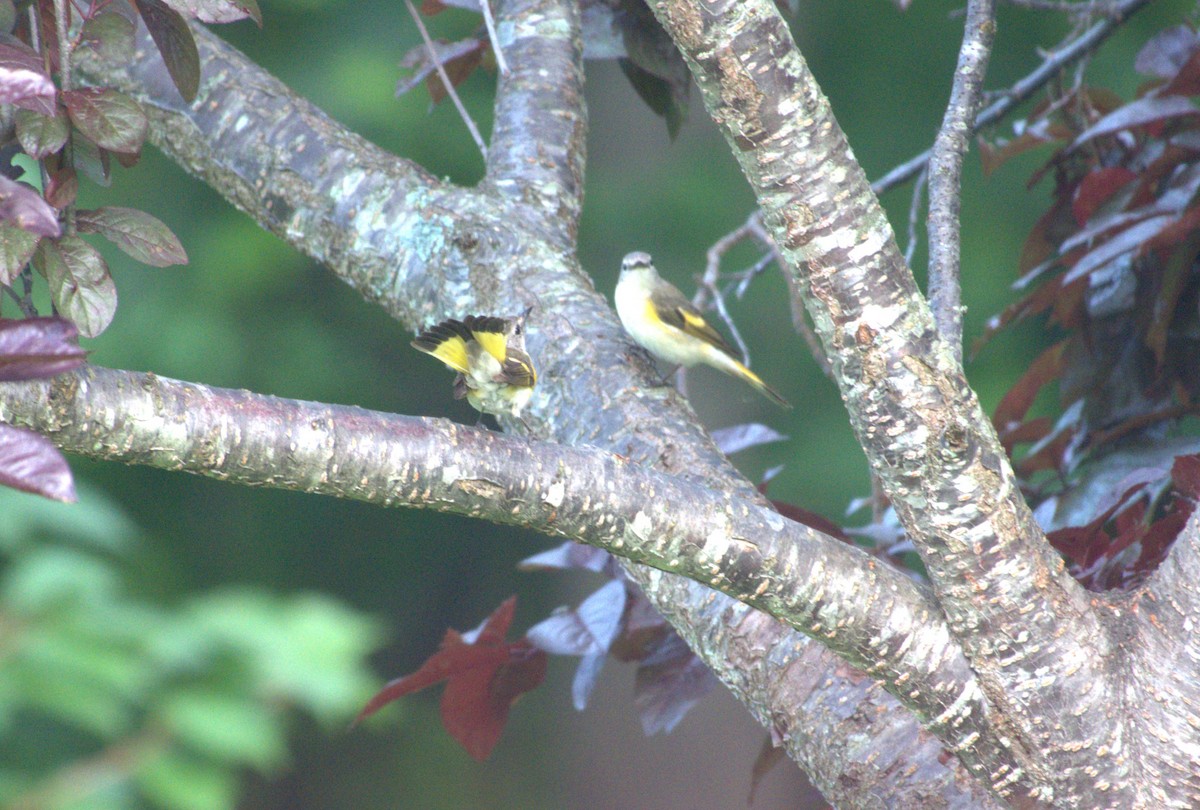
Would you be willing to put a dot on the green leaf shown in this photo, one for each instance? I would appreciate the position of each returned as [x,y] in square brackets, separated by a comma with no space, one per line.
[16,249]
[238,730]
[110,119]
[80,284]
[140,235]
[41,135]
[171,34]
[177,781]
[110,35]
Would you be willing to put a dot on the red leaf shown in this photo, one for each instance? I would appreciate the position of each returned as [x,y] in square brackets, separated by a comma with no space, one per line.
[1185,473]
[80,284]
[809,518]
[1187,81]
[1138,113]
[1097,187]
[1016,403]
[110,119]
[38,347]
[1171,284]
[25,208]
[1128,240]
[140,235]
[23,79]
[485,675]
[31,463]
[16,249]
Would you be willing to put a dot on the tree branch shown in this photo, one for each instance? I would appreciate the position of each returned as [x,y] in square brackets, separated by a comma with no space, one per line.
[539,139]
[423,251]
[921,426]
[1062,56]
[945,172]
[873,615]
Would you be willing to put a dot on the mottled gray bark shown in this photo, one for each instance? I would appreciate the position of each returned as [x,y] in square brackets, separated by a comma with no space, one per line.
[1044,693]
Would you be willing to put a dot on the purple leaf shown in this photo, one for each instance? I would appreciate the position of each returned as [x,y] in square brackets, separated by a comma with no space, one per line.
[31,463]
[586,676]
[110,119]
[218,11]
[25,208]
[1166,52]
[139,234]
[38,347]
[1136,113]
[1127,240]
[587,630]
[16,249]
[734,439]
[417,60]
[23,80]
[570,555]
[80,284]
[175,43]
[669,682]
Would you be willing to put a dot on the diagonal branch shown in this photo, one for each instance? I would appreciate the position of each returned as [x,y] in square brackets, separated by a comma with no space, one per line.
[872,615]
[945,172]
[922,427]
[539,139]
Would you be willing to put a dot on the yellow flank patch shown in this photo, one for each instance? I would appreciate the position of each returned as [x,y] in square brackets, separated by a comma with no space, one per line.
[494,343]
[452,352]
[652,312]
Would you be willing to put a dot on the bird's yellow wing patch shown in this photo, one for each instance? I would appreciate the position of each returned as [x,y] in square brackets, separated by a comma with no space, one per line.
[693,323]
[490,333]
[447,342]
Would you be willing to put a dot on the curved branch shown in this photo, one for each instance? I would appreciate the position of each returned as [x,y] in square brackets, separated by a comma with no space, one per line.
[872,615]
[1026,626]
[539,139]
[945,172]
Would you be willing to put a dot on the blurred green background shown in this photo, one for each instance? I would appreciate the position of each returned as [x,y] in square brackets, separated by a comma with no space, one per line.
[327,582]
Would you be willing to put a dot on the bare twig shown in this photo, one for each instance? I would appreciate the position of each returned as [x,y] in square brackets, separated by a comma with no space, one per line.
[489,22]
[1062,57]
[1089,8]
[441,71]
[945,171]
[914,216]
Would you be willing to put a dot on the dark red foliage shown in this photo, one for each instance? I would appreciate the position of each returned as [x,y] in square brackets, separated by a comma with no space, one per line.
[1115,260]
[484,675]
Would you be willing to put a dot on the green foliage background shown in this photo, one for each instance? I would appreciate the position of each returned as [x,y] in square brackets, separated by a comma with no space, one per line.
[149,556]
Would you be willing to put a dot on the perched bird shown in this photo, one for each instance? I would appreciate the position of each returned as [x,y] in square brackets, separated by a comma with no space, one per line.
[495,373]
[662,321]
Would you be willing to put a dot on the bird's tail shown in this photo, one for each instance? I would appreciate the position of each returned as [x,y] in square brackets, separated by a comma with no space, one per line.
[737,369]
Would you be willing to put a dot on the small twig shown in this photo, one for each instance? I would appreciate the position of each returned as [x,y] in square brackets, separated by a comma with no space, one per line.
[945,172]
[1090,8]
[1026,87]
[489,22]
[441,71]
[914,216]
[712,267]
